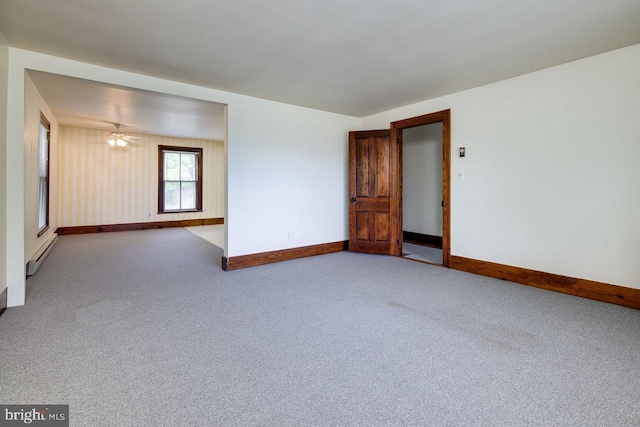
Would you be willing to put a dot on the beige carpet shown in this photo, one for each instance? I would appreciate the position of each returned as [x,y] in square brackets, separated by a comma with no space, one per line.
[211,233]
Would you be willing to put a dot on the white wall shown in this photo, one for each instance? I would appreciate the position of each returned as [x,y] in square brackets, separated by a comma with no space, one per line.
[287,174]
[551,171]
[34,104]
[4,76]
[287,165]
[422,179]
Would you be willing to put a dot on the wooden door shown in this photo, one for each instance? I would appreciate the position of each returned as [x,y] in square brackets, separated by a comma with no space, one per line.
[375,217]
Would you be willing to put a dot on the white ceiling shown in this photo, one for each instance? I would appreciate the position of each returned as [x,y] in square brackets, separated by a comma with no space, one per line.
[88,104]
[351,56]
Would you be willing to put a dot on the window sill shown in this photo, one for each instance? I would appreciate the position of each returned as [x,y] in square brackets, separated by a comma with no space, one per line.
[181,211]
[43,230]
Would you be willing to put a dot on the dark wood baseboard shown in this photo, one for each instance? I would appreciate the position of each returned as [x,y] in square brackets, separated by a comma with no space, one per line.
[252,260]
[422,239]
[3,301]
[86,229]
[599,291]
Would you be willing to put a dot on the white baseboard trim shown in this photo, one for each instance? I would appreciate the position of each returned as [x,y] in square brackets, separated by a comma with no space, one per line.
[39,257]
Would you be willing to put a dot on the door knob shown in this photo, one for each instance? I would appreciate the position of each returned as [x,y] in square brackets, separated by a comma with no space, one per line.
[353,199]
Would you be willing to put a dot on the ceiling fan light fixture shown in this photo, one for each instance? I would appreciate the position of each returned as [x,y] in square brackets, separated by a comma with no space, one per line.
[117,138]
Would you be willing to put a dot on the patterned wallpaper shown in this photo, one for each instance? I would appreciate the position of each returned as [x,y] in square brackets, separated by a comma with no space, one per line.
[100,184]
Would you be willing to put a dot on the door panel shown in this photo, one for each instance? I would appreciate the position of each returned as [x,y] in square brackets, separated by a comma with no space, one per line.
[362,168]
[382,167]
[362,226]
[374,202]
[382,227]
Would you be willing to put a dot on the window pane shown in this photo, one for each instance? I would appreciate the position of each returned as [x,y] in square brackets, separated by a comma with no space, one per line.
[172,166]
[42,204]
[171,196]
[44,149]
[188,170]
[43,172]
[188,195]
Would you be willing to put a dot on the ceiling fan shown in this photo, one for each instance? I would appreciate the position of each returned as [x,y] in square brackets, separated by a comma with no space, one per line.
[120,139]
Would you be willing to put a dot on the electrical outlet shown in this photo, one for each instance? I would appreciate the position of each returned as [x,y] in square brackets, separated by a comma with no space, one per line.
[288,235]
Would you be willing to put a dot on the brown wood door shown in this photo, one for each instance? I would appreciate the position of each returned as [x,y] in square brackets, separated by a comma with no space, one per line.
[375,219]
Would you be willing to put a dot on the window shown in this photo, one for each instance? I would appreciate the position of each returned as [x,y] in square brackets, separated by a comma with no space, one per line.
[43,175]
[180,179]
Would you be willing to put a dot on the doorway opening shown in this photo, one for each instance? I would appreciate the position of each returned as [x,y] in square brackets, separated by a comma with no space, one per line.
[425,169]
[422,193]
[99,184]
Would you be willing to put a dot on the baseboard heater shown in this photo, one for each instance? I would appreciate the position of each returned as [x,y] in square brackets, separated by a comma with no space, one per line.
[37,260]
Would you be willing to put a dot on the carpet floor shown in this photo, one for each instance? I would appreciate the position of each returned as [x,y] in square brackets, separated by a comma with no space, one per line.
[143,328]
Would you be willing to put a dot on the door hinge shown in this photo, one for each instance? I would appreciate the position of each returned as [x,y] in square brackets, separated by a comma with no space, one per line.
[443,203]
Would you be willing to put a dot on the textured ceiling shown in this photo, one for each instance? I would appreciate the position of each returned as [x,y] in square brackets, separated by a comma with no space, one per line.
[356,57]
